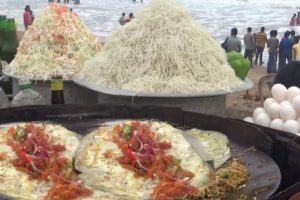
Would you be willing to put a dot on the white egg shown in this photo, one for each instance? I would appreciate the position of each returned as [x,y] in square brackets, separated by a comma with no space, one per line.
[296,104]
[286,103]
[273,111]
[249,119]
[292,92]
[268,102]
[277,124]
[291,126]
[257,111]
[278,92]
[263,120]
[287,113]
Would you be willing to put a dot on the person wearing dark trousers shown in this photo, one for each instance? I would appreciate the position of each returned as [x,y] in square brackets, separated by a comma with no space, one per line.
[273,45]
[285,50]
[249,45]
[261,40]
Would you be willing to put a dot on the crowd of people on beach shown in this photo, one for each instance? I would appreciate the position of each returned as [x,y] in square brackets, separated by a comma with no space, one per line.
[285,51]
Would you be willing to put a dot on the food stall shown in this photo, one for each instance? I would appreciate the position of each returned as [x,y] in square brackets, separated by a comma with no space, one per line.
[270,155]
[153,141]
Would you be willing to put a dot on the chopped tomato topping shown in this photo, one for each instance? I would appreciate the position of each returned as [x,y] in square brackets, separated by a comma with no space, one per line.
[67,192]
[60,9]
[118,129]
[2,156]
[130,154]
[108,154]
[59,39]
[147,157]
[170,190]
[24,156]
[42,160]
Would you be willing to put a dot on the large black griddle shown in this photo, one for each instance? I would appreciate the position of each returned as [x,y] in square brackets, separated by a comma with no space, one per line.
[265,175]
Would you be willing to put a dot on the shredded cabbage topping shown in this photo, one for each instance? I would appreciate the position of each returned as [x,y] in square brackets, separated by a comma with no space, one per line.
[57,43]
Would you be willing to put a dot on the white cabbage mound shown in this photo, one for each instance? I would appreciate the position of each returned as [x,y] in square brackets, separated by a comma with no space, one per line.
[57,43]
[162,50]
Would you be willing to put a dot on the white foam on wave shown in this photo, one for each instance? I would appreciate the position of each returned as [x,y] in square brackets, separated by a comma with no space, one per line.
[218,16]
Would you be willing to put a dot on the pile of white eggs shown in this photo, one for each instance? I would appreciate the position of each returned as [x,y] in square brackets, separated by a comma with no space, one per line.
[281,112]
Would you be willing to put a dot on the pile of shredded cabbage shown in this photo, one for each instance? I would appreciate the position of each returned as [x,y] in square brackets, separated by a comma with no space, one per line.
[162,50]
[57,43]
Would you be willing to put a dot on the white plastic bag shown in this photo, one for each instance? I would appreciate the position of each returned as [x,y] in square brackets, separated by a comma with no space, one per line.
[27,96]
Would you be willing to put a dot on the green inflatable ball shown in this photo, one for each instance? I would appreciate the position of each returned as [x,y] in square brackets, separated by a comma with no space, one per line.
[241,67]
[233,55]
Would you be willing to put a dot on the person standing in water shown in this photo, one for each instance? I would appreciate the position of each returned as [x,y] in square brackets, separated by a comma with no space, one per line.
[129,18]
[261,40]
[249,45]
[293,21]
[122,19]
[27,17]
[298,19]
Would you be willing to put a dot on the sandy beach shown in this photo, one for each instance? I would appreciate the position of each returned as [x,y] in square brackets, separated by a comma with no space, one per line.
[239,107]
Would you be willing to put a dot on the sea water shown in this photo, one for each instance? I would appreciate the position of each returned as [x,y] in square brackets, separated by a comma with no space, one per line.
[218,16]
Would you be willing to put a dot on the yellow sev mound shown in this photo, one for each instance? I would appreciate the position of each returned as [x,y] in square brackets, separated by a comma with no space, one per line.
[57,43]
[162,50]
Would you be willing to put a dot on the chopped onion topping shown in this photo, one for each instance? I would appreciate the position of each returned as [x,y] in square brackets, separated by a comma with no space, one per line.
[140,165]
[140,143]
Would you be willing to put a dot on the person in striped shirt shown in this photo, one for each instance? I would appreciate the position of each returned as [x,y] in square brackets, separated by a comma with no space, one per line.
[260,42]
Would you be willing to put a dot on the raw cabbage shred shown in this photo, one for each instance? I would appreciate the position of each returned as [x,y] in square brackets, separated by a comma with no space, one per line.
[57,43]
